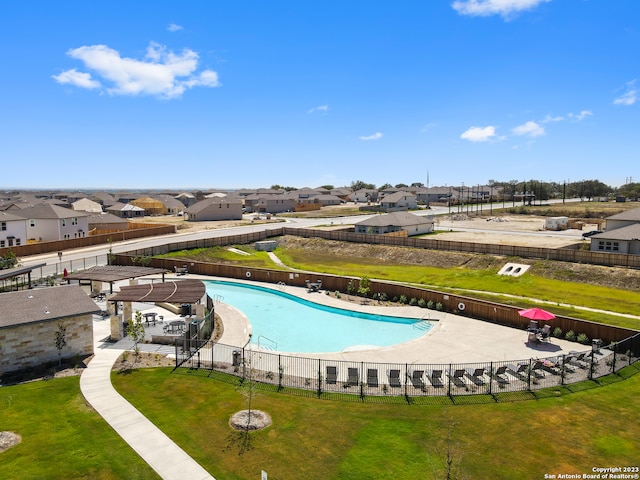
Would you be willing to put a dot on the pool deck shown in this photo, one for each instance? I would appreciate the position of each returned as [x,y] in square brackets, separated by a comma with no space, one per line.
[452,339]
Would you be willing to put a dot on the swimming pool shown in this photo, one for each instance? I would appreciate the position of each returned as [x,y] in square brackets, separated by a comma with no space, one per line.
[287,323]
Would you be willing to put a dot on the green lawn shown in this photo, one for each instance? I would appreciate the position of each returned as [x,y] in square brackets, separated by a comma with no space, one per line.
[62,437]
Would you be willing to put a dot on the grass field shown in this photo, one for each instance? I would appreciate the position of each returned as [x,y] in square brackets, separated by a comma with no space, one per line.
[560,432]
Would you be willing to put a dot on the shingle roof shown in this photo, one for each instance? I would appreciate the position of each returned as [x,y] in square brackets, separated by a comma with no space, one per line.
[632,215]
[48,211]
[630,232]
[44,304]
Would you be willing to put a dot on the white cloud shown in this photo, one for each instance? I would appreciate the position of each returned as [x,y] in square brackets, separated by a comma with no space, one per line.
[427,126]
[173,27]
[529,129]
[79,79]
[629,97]
[484,8]
[580,116]
[161,73]
[375,136]
[320,108]
[550,119]
[479,134]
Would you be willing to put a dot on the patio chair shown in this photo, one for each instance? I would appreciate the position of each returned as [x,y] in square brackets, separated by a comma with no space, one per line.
[394,378]
[579,360]
[436,378]
[372,377]
[519,371]
[537,369]
[458,377]
[416,379]
[353,377]
[332,374]
[500,375]
[545,333]
[476,376]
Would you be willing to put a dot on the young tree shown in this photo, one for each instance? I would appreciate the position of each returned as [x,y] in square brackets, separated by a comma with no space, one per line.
[364,287]
[60,340]
[135,331]
[9,260]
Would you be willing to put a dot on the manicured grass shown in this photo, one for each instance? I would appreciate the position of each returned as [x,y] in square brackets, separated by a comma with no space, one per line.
[62,437]
[255,258]
[328,439]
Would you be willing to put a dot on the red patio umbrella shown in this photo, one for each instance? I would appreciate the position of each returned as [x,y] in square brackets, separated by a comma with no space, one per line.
[536,314]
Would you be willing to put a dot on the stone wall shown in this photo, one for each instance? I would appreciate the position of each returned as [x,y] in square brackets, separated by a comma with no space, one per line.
[26,346]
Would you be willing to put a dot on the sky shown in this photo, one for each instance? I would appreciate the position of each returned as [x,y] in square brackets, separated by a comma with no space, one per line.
[226,94]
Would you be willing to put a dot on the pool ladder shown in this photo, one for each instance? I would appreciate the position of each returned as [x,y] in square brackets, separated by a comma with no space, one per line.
[423,324]
[270,344]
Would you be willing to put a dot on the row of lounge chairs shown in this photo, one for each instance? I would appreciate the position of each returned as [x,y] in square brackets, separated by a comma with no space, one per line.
[438,378]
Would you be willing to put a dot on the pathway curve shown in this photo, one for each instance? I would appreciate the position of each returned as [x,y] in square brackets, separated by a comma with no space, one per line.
[159,451]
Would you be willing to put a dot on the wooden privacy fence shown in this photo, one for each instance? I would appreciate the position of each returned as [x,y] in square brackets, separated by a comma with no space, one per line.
[61,245]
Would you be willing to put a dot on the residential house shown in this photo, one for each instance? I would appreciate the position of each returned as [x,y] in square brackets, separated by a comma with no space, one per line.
[31,318]
[187,199]
[47,223]
[107,221]
[399,201]
[621,236]
[13,230]
[215,208]
[396,222]
[86,205]
[172,205]
[364,195]
[125,210]
[103,198]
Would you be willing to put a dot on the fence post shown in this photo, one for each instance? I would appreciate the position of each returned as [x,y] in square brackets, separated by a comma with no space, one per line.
[319,378]
[491,378]
[564,363]
[529,376]
[593,354]
[361,383]
[279,372]
[449,382]
[613,364]
[406,392]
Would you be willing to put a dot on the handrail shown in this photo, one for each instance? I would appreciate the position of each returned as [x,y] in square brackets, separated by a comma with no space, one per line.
[273,346]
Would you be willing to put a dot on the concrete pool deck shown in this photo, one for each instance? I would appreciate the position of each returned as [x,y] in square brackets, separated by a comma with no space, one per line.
[452,339]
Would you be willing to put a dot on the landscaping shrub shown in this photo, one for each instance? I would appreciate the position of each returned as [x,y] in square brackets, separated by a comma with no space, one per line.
[382,297]
[582,338]
[422,303]
[570,335]
[557,332]
[431,305]
[413,302]
[439,307]
[402,299]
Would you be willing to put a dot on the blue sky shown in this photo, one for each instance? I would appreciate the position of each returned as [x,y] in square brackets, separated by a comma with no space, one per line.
[232,94]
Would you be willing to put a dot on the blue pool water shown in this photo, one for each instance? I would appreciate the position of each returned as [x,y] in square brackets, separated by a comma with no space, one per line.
[287,323]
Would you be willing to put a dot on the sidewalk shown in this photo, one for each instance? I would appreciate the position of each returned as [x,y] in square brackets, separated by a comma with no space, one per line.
[159,451]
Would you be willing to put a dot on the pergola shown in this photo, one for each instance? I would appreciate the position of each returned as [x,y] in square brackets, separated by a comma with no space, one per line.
[114,273]
[10,273]
[171,291]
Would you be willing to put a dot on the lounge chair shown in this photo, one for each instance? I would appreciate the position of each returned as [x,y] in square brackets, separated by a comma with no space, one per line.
[394,378]
[436,378]
[500,375]
[537,369]
[372,377]
[579,360]
[519,371]
[458,378]
[416,379]
[476,376]
[332,374]
[353,377]
[545,333]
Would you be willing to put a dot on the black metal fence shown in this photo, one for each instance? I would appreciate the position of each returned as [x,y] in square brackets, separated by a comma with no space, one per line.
[323,378]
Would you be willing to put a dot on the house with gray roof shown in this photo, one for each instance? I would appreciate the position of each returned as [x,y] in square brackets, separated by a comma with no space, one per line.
[399,201]
[46,223]
[13,230]
[127,210]
[396,222]
[621,236]
[215,208]
[31,318]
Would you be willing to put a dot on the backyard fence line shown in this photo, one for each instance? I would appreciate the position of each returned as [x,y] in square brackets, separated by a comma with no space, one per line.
[324,378]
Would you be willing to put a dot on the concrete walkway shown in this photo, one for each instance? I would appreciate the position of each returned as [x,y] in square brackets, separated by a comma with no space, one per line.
[159,451]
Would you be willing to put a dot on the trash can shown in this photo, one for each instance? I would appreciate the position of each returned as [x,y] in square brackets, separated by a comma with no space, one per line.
[185,310]
[237,355]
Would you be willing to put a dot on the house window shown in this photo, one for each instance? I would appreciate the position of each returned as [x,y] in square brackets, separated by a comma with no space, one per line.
[32,222]
[64,222]
[17,241]
[608,246]
[2,243]
[74,221]
[3,226]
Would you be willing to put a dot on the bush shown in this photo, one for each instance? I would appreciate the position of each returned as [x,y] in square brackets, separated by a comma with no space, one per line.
[402,299]
[394,299]
[431,305]
[557,332]
[413,302]
[382,297]
[422,303]
[439,307]
[337,294]
[582,338]
[570,335]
